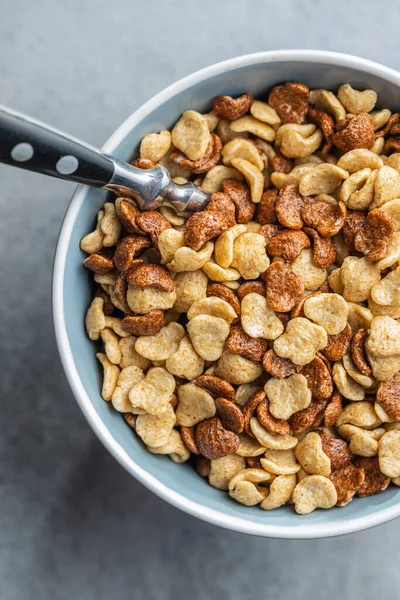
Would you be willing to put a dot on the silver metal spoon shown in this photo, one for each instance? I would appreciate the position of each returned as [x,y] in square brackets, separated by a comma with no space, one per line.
[29,144]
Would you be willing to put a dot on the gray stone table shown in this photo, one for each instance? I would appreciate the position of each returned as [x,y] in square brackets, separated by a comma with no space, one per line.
[73,523]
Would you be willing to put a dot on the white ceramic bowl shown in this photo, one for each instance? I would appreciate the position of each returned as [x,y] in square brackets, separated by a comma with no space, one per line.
[179,484]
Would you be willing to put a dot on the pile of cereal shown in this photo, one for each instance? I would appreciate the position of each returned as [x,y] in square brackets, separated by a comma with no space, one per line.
[260,338]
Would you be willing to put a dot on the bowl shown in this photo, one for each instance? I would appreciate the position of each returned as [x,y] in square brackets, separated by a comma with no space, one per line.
[177,483]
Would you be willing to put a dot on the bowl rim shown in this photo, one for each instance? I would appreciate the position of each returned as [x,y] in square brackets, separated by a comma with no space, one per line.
[301,530]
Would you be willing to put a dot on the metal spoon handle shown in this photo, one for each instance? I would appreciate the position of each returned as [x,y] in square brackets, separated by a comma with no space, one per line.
[29,144]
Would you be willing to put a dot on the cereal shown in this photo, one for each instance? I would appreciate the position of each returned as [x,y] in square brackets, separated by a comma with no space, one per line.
[213,440]
[252,175]
[244,489]
[375,481]
[189,287]
[314,491]
[240,195]
[269,440]
[287,396]
[185,362]
[239,342]
[289,207]
[328,310]
[191,135]
[258,318]
[186,259]
[236,369]
[195,404]
[288,244]
[284,287]
[208,334]
[261,335]
[93,242]
[223,249]
[226,107]
[154,392]
[290,100]
[155,145]
[161,345]
[359,159]
[312,275]
[322,179]
[154,430]
[356,102]
[224,469]
[301,341]
[216,307]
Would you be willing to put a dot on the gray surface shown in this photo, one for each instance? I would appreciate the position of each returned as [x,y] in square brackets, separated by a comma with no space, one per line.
[73,523]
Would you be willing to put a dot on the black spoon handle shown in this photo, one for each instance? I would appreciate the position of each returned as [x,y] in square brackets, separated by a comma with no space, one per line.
[29,144]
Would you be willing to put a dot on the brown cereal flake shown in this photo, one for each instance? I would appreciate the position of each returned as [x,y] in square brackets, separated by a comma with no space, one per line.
[202,227]
[266,209]
[240,195]
[392,143]
[290,206]
[319,379]
[284,287]
[187,434]
[214,441]
[393,120]
[288,244]
[226,107]
[130,419]
[357,132]
[358,352]
[281,164]
[153,224]
[204,164]
[375,481]
[274,426]
[149,324]
[326,218]
[336,450]
[127,214]
[298,310]
[128,248]
[290,100]
[100,262]
[338,344]
[324,253]
[333,410]
[269,231]
[121,287]
[374,237]
[150,275]
[224,207]
[202,466]
[309,417]
[253,462]
[239,342]
[251,287]
[231,415]
[347,481]
[388,396]
[108,306]
[278,367]
[354,221]
[143,163]
[250,408]
[327,125]
[219,290]
[218,388]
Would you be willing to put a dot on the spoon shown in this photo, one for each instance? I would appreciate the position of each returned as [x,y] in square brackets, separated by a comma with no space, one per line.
[29,144]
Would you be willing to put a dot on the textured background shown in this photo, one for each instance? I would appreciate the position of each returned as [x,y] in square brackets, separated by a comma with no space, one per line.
[73,523]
